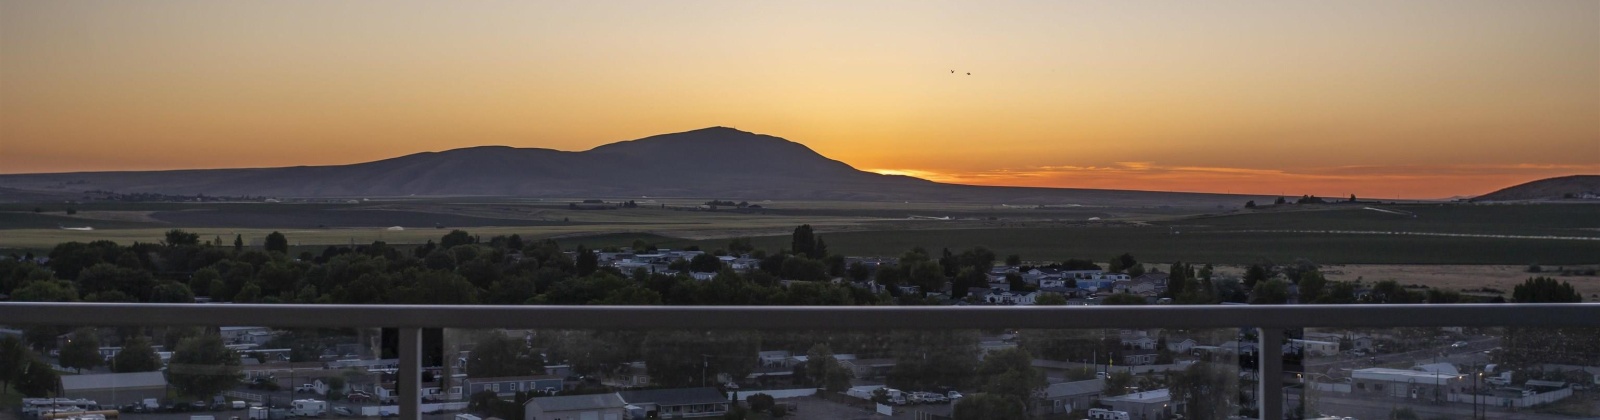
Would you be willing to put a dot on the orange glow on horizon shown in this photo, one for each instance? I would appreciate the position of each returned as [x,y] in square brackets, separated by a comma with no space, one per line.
[1417,99]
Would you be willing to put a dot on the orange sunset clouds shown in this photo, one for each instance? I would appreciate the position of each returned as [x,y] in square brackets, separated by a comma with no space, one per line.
[1413,99]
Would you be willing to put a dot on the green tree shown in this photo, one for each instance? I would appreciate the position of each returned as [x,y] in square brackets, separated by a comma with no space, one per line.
[989,407]
[1206,390]
[805,242]
[105,277]
[171,292]
[38,380]
[1119,383]
[587,261]
[1312,286]
[238,242]
[760,402]
[927,275]
[179,237]
[1121,262]
[498,355]
[202,367]
[14,356]
[934,358]
[1529,346]
[456,238]
[1010,373]
[1123,299]
[1013,260]
[1545,290]
[817,360]
[859,272]
[1270,292]
[277,242]
[1256,273]
[705,263]
[82,350]
[200,281]
[1050,299]
[336,385]
[690,358]
[251,293]
[137,355]
[740,246]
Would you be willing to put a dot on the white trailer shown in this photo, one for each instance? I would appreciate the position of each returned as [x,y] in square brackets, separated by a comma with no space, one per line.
[309,408]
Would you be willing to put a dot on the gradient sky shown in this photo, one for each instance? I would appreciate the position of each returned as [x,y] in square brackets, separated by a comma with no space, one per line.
[1415,99]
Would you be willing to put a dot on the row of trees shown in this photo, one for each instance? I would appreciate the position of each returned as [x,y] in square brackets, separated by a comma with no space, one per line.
[201,366]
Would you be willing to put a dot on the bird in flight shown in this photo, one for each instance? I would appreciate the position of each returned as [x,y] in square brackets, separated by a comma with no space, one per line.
[969,73]
[952,72]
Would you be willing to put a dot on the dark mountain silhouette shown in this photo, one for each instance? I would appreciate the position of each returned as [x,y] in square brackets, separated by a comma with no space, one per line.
[713,162]
[1546,189]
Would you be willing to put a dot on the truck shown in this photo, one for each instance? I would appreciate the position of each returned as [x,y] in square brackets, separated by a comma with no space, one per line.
[259,413]
[309,408]
[202,418]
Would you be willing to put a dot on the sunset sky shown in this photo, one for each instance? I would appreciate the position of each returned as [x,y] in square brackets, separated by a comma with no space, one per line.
[1405,99]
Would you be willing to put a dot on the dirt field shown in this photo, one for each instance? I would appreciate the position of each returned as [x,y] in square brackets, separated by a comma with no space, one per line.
[1451,277]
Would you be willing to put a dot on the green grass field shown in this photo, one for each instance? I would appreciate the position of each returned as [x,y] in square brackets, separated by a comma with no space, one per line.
[858,228]
[1544,219]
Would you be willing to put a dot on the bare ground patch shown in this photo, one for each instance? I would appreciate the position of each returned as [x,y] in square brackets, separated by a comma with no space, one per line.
[1469,279]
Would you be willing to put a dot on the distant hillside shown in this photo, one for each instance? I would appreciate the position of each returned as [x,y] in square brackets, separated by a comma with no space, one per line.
[1547,189]
[716,162]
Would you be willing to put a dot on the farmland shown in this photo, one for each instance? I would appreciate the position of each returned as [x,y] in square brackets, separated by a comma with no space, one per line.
[1331,234]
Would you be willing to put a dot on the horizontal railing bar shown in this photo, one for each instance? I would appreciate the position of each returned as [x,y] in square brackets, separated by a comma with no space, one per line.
[801,317]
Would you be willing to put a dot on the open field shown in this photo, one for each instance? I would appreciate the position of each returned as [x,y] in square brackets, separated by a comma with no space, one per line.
[1159,244]
[1460,278]
[1545,219]
[879,228]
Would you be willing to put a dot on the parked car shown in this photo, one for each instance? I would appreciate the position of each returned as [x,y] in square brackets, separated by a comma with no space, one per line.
[344,412]
[1458,344]
[954,395]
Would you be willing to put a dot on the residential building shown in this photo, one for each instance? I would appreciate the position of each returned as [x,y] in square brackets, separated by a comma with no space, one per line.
[1403,383]
[510,386]
[1149,405]
[115,388]
[1066,397]
[576,407]
[678,402]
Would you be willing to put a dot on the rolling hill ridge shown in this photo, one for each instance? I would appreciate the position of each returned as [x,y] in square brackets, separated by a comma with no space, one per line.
[710,162]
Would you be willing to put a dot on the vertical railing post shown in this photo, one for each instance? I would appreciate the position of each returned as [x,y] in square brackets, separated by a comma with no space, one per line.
[409,381]
[1269,373]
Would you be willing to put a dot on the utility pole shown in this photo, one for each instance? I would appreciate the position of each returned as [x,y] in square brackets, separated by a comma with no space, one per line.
[705,362]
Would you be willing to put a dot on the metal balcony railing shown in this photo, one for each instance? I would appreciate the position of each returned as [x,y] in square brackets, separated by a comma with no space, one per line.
[411,319]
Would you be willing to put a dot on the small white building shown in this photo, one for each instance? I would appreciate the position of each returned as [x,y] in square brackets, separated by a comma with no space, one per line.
[586,407]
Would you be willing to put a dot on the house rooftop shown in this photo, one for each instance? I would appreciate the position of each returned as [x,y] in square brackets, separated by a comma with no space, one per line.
[675,396]
[578,402]
[1064,389]
[113,380]
[513,378]
[1152,396]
